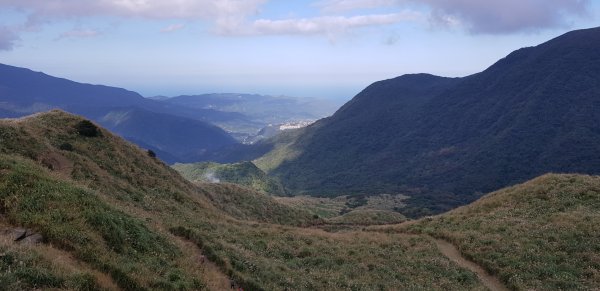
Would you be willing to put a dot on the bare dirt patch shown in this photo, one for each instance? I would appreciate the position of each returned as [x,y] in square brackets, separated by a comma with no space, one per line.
[56,162]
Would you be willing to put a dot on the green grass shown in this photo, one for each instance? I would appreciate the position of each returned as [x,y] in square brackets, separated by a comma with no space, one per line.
[117,211]
[21,270]
[245,204]
[280,258]
[541,235]
[352,210]
[76,220]
[368,217]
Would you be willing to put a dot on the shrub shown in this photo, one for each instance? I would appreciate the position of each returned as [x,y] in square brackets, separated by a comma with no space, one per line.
[151,153]
[66,147]
[87,128]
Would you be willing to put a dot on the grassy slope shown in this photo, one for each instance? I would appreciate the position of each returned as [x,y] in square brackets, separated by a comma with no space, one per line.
[116,210]
[351,210]
[246,204]
[540,235]
[243,173]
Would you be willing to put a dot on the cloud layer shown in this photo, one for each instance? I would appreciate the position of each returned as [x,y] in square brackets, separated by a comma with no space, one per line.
[225,13]
[478,16]
[339,6]
[235,17]
[507,16]
[326,24]
[79,33]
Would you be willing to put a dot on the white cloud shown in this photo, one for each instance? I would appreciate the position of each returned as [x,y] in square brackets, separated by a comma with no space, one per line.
[172,28]
[79,33]
[326,24]
[234,17]
[339,6]
[8,39]
[226,14]
[230,17]
[506,16]
[479,16]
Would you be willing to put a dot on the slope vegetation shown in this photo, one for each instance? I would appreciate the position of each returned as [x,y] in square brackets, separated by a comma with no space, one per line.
[179,138]
[243,173]
[129,221]
[540,235]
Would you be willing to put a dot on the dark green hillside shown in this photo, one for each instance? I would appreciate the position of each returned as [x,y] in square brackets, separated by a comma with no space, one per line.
[445,141]
[183,139]
[540,235]
[243,173]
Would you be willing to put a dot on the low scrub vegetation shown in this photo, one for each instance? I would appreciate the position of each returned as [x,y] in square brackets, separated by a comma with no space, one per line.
[540,235]
[124,215]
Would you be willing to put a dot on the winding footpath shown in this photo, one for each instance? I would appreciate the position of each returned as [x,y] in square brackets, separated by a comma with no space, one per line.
[450,251]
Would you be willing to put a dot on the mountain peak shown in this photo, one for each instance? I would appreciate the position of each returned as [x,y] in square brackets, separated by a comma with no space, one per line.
[444,140]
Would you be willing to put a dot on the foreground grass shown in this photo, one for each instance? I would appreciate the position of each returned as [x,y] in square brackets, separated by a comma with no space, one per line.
[76,220]
[282,258]
[540,235]
[25,269]
[121,213]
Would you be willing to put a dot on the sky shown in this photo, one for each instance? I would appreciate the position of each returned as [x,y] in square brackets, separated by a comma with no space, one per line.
[312,48]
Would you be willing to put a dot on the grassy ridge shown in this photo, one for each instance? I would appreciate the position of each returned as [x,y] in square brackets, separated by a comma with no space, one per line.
[540,235]
[117,210]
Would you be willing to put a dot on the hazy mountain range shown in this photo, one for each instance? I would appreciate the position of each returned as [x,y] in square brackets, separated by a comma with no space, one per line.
[179,129]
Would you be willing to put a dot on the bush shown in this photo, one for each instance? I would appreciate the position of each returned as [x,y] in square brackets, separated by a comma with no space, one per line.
[151,153]
[87,128]
[66,147]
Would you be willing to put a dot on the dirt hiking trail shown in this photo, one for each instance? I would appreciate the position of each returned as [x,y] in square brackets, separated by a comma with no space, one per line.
[450,251]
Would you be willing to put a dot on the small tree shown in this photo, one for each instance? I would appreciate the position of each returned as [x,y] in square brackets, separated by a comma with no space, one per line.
[66,146]
[151,153]
[87,128]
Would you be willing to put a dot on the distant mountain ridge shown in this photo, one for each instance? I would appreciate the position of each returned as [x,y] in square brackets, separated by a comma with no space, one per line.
[192,118]
[445,140]
[270,109]
[262,111]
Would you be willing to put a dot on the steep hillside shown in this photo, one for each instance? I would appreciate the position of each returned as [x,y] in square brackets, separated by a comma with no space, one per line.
[182,138]
[445,141]
[540,235]
[244,173]
[110,215]
[26,91]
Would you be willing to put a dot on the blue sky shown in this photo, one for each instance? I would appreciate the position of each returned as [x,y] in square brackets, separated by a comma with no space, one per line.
[320,48]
